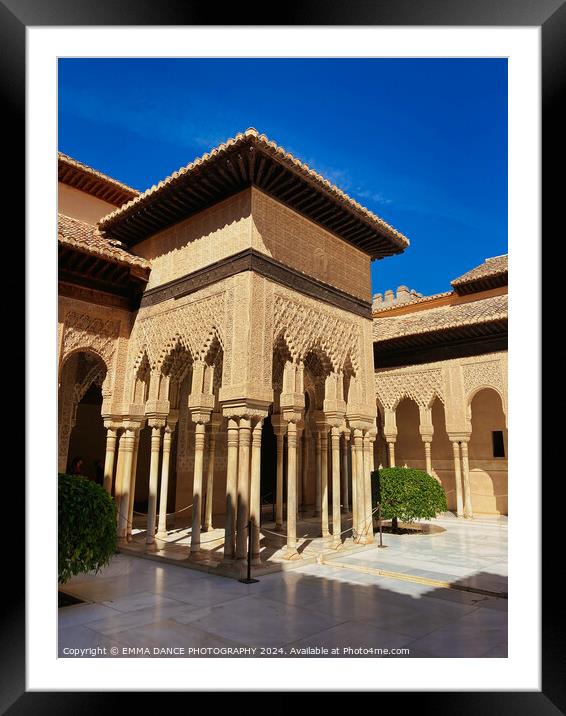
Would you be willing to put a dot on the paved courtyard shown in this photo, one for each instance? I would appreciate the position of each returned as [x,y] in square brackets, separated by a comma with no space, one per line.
[139,607]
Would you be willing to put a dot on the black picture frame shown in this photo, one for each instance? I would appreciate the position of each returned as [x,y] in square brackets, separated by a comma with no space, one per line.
[15,16]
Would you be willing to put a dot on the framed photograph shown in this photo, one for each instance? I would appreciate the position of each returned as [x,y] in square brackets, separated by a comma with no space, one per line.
[272,353]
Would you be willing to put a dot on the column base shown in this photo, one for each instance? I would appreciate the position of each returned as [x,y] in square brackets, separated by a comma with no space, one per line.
[336,544]
[151,547]
[198,556]
[161,536]
[256,561]
[291,554]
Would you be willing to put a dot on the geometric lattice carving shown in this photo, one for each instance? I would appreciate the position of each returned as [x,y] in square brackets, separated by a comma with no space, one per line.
[193,326]
[421,386]
[484,373]
[83,332]
[306,326]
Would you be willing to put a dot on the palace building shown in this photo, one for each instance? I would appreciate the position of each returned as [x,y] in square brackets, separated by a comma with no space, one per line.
[219,351]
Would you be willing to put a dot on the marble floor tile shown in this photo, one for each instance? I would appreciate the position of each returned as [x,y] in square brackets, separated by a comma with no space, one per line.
[140,600]
[170,633]
[80,637]
[258,621]
[122,621]
[350,635]
[82,614]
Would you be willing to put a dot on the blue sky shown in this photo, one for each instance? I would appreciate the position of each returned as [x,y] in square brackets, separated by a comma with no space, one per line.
[422,143]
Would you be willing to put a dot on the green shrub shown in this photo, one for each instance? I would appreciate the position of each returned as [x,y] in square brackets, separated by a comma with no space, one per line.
[87,526]
[407,494]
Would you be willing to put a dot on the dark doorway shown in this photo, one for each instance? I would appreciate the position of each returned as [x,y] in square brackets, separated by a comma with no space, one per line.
[88,437]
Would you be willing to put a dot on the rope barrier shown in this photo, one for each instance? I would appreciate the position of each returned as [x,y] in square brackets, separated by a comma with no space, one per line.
[167,514]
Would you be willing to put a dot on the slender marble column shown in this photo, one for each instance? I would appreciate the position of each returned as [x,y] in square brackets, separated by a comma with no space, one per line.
[200,431]
[345,488]
[391,446]
[153,481]
[368,468]
[300,432]
[255,491]
[304,468]
[336,522]
[292,492]
[458,479]
[243,489]
[428,457]
[468,511]
[119,474]
[133,479]
[111,434]
[324,483]
[127,445]
[210,480]
[318,486]
[279,488]
[164,492]
[353,456]
[360,492]
[231,489]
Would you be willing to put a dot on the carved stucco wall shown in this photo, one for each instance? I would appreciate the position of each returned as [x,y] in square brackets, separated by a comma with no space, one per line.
[101,330]
[454,382]
[87,329]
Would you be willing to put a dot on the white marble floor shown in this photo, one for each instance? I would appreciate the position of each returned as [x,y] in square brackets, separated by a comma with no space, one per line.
[139,607]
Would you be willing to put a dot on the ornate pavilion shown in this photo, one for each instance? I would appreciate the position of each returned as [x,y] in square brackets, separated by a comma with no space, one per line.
[219,351]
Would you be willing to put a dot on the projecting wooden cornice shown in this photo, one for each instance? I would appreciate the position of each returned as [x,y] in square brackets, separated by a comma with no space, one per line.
[251,159]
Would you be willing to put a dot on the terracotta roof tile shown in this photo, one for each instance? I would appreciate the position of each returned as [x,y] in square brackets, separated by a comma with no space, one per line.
[65,159]
[84,237]
[437,319]
[412,302]
[491,267]
[285,157]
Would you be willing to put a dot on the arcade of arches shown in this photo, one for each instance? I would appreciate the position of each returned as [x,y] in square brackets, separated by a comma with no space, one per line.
[218,353]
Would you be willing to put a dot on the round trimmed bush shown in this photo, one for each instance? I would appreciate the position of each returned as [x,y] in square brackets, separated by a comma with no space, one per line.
[87,526]
[407,494]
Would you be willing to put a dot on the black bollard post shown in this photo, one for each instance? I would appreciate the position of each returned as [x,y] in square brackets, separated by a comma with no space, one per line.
[249,579]
[380,530]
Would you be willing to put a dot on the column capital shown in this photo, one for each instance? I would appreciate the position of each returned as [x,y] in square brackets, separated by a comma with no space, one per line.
[130,424]
[279,424]
[459,437]
[371,434]
[172,420]
[245,408]
[157,422]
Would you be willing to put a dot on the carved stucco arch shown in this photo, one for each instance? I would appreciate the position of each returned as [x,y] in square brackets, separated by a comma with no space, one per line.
[476,391]
[308,326]
[421,386]
[83,332]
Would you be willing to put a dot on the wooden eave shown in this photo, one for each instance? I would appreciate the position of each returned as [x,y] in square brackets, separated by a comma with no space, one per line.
[249,163]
